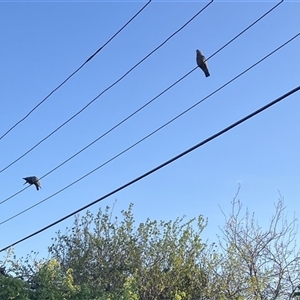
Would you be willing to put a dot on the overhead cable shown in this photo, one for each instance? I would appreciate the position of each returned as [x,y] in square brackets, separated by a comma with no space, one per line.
[146,104]
[105,90]
[240,121]
[91,57]
[147,136]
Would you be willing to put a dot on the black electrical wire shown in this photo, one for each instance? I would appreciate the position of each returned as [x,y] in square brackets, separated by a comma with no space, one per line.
[105,90]
[146,104]
[240,121]
[91,57]
[150,134]
[247,28]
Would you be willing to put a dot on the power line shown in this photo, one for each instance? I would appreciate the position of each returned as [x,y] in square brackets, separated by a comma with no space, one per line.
[170,121]
[240,121]
[146,104]
[90,58]
[150,134]
[105,90]
[265,14]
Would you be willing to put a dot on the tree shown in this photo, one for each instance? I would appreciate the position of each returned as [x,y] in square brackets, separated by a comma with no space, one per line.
[259,263]
[157,260]
[106,258]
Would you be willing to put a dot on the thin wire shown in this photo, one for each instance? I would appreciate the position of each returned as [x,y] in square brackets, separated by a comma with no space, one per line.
[150,134]
[91,57]
[108,88]
[247,28]
[142,107]
[240,121]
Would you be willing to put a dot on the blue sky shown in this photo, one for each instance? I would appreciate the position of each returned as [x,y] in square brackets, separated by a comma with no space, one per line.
[44,42]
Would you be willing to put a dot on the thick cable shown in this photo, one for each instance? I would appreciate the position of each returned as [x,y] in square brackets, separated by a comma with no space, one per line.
[150,134]
[146,104]
[144,138]
[240,121]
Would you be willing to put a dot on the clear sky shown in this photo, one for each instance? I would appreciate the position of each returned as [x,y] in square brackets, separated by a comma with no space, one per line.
[44,42]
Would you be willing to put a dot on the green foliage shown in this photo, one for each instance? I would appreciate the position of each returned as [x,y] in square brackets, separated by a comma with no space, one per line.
[157,260]
[13,288]
[106,258]
[102,257]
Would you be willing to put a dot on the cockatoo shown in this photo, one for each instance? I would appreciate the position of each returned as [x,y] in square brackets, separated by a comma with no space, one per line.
[33,180]
[201,62]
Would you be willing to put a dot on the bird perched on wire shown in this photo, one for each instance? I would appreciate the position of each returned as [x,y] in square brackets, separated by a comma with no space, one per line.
[33,180]
[201,62]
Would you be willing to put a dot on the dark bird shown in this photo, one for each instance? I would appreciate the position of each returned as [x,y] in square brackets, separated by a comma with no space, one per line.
[201,62]
[33,180]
